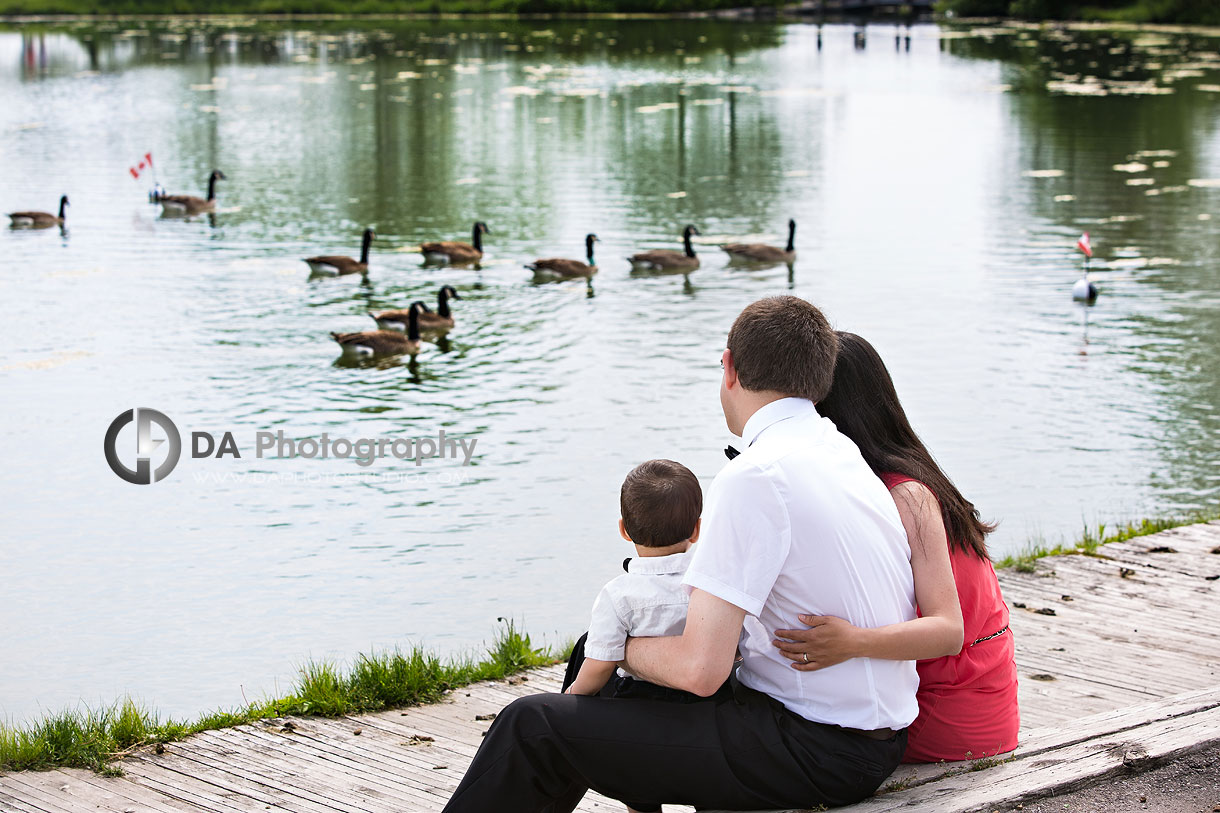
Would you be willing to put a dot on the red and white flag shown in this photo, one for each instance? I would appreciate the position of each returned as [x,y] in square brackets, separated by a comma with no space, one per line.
[145,163]
[1084,245]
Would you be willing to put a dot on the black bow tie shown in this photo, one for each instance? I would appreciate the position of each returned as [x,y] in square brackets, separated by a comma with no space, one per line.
[730,452]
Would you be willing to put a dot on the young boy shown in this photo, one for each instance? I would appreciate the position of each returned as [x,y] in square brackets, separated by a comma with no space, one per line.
[660,502]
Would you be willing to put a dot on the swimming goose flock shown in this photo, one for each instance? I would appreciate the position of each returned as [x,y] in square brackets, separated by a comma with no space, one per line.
[400,331]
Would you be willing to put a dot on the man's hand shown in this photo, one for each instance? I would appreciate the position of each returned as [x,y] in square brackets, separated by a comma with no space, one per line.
[700,659]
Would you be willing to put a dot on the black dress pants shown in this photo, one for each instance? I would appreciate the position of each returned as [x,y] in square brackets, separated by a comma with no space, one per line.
[741,750]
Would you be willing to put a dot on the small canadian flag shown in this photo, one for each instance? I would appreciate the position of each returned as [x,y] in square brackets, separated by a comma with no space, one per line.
[145,163]
[1084,245]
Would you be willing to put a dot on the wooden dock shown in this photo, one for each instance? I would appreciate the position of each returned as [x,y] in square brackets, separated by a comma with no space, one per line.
[1119,662]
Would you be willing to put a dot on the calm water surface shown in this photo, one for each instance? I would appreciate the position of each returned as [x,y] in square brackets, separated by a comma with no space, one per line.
[938,192]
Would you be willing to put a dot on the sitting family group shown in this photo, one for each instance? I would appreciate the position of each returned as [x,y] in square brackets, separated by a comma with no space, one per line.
[833,614]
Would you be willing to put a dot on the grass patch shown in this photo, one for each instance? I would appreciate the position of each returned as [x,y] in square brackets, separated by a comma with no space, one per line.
[988,762]
[1093,538]
[95,738]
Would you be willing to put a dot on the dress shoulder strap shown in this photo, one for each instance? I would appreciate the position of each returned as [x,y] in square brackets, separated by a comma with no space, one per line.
[891,479]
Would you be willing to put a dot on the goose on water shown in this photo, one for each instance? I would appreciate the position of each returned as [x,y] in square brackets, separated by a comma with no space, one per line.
[454,252]
[440,320]
[666,260]
[763,253]
[39,220]
[561,267]
[337,266]
[190,204]
[376,343]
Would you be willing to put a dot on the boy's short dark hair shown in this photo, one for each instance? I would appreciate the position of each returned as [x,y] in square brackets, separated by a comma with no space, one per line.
[784,344]
[661,501]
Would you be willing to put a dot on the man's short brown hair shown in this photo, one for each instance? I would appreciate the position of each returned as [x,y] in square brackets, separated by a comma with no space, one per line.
[661,501]
[784,344]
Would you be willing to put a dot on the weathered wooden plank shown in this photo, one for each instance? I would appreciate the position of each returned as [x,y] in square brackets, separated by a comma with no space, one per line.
[320,777]
[271,784]
[85,788]
[1025,779]
[182,777]
[184,791]
[389,754]
[1110,588]
[41,799]
[383,779]
[1110,723]
[19,804]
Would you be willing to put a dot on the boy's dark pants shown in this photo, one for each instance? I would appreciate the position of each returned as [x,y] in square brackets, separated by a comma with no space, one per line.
[739,750]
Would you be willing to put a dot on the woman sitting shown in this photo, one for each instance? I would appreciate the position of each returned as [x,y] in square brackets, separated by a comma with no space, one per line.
[964,648]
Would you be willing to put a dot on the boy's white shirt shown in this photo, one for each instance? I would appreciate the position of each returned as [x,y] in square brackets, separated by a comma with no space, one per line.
[647,601]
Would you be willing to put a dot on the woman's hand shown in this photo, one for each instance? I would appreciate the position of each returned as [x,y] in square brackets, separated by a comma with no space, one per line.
[827,641]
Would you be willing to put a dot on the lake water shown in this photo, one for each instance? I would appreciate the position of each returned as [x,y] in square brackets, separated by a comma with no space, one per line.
[938,190]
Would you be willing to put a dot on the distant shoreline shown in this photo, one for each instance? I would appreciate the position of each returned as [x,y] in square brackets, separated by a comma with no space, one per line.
[1167,12]
[963,12]
[392,9]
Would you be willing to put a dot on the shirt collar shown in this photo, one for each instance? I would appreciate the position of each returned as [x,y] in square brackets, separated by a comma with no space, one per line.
[661,565]
[773,413]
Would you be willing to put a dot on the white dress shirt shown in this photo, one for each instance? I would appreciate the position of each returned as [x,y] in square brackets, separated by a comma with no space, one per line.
[798,523]
[647,601]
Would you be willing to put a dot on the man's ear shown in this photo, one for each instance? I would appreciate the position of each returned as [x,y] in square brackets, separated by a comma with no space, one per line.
[730,371]
[694,537]
[622,530]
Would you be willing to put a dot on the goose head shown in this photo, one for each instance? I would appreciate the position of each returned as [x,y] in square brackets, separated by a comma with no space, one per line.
[590,239]
[448,292]
[686,233]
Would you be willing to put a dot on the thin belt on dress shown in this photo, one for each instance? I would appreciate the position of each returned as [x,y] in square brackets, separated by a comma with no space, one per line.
[992,635]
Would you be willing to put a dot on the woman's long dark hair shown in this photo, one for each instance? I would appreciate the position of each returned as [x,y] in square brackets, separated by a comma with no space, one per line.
[864,406]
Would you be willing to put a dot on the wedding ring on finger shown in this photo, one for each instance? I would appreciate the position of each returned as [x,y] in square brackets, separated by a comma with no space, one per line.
[806,654]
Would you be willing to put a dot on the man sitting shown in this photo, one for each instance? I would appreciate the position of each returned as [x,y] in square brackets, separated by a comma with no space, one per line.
[796,524]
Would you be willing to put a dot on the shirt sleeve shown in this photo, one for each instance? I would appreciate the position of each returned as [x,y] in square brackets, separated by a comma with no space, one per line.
[745,539]
[607,639]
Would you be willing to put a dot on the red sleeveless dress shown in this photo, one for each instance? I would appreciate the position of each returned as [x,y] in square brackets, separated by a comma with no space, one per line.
[968,702]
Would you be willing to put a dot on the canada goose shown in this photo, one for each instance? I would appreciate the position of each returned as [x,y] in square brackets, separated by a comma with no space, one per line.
[568,268]
[382,342]
[442,319]
[666,260]
[189,204]
[455,252]
[763,253]
[334,265]
[39,220]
